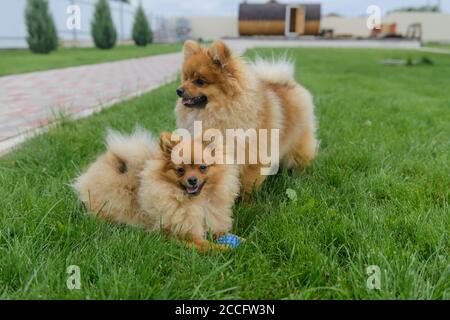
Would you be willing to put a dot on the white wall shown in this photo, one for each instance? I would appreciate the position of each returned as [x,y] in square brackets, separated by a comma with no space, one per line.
[435,26]
[211,28]
[13,30]
[346,26]
[207,28]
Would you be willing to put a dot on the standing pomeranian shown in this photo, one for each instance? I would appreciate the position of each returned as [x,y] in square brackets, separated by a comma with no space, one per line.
[225,92]
[136,182]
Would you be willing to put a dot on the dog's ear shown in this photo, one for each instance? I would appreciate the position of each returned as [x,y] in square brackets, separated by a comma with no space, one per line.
[190,48]
[219,53]
[165,143]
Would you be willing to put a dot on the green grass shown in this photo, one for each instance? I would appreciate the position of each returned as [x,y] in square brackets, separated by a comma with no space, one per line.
[438,45]
[21,61]
[376,195]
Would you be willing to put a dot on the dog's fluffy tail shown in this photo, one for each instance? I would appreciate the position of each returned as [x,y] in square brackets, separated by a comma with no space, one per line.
[135,148]
[109,186]
[273,71]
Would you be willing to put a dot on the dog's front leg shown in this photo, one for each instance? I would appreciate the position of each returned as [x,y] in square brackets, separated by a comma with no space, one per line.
[251,180]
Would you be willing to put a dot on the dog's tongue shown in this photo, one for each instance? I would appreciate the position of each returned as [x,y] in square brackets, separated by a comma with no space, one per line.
[187,101]
[191,190]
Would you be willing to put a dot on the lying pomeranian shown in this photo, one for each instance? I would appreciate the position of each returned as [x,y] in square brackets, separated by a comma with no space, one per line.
[136,182]
[224,92]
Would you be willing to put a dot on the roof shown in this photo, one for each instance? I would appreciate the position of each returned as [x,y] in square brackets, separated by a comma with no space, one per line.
[275,11]
[312,11]
[267,11]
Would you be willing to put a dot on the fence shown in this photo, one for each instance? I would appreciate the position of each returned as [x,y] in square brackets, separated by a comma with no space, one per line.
[13,30]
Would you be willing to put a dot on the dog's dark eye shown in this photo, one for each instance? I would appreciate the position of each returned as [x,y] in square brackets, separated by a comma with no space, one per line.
[199,82]
[203,168]
[180,171]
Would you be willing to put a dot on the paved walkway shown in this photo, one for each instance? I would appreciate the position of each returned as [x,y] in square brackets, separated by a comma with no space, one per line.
[30,102]
[245,43]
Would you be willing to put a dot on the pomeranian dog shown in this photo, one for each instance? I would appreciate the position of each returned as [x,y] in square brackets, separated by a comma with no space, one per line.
[136,182]
[223,91]
[189,199]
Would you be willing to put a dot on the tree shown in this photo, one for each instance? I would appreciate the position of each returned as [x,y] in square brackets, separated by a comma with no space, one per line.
[42,36]
[103,31]
[142,34]
[426,8]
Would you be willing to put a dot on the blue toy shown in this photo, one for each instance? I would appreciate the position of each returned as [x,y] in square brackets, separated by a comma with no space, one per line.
[230,240]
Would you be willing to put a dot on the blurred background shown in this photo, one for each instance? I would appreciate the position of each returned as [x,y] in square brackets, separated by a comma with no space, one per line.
[74,57]
[175,20]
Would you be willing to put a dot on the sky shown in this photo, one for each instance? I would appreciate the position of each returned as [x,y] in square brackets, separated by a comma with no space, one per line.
[230,7]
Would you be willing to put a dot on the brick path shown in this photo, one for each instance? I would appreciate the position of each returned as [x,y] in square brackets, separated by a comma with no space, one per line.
[30,101]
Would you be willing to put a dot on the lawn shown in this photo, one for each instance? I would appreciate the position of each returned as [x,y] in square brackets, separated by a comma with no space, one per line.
[21,61]
[378,194]
[438,45]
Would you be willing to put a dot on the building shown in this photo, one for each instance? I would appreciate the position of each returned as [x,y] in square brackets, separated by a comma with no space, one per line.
[211,28]
[13,30]
[273,18]
[435,26]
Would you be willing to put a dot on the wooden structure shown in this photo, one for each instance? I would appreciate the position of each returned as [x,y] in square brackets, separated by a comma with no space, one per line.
[274,18]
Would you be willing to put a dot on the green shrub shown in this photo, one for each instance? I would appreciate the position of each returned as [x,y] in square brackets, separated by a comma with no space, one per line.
[42,36]
[142,34]
[103,30]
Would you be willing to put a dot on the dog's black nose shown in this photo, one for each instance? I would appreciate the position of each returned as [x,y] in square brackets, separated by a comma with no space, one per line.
[192,181]
[180,92]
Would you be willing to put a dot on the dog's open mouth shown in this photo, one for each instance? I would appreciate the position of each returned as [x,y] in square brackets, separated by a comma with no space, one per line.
[194,190]
[195,102]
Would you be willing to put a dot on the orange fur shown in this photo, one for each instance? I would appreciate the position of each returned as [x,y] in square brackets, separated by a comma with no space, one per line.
[261,95]
[136,183]
[185,216]
[110,193]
